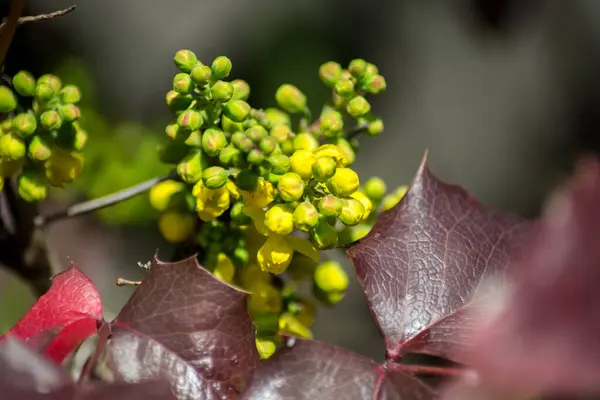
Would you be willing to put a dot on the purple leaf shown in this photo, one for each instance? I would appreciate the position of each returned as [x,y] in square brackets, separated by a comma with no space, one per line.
[185,326]
[424,260]
[307,369]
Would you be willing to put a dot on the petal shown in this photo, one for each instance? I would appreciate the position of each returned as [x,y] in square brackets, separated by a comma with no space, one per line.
[305,247]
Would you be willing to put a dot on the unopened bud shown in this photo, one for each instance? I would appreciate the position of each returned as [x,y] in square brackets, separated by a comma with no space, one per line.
[330,206]
[306,216]
[24,83]
[302,162]
[24,124]
[291,187]
[230,156]
[280,164]
[221,67]
[375,84]
[323,235]
[8,101]
[51,120]
[256,133]
[39,149]
[352,212]
[358,107]
[375,127]
[185,60]
[69,112]
[191,167]
[324,168]
[331,123]
[201,75]
[237,110]
[344,182]
[12,147]
[182,83]
[290,98]
[267,145]
[190,120]
[330,73]
[213,141]
[221,91]
[31,186]
[255,157]
[177,101]
[279,219]
[241,89]
[344,87]
[375,188]
[70,94]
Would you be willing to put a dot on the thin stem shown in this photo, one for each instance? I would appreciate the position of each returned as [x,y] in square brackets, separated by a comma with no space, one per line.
[127,282]
[357,130]
[41,17]
[7,30]
[428,370]
[102,202]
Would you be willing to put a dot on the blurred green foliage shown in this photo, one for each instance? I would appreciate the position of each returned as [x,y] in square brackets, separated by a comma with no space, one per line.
[15,300]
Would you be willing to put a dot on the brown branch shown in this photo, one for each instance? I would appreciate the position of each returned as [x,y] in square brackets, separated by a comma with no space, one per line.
[127,282]
[41,17]
[8,29]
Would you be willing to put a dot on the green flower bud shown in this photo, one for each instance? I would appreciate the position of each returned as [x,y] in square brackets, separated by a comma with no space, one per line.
[51,120]
[330,73]
[390,200]
[8,101]
[6,126]
[331,277]
[176,133]
[279,220]
[236,110]
[352,213]
[247,180]
[327,299]
[24,83]
[201,75]
[255,157]
[290,98]
[39,149]
[291,187]
[357,67]
[12,147]
[191,167]
[244,143]
[80,139]
[371,70]
[323,235]
[281,133]
[31,186]
[331,123]
[70,94]
[358,106]
[241,89]
[213,141]
[273,179]
[229,126]
[177,101]
[330,206]
[214,177]
[182,83]
[344,87]
[337,101]
[344,182]
[237,138]
[52,80]
[306,216]
[324,168]
[347,149]
[221,91]
[375,127]
[302,162]
[305,141]
[238,216]
[24,124]
[287,147]
[190,120]
[172,152]
[375,84]
[265,347]
[375,188]
[230,157]
[277,117]
[69,112]
[280,164]
[185,60]
[43,92]
[267,145]
[221,67]
[256,133]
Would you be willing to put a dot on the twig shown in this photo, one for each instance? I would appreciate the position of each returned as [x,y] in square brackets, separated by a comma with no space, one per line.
[7,31]
[41,17]
[357,130]
[127,282]
[102,202]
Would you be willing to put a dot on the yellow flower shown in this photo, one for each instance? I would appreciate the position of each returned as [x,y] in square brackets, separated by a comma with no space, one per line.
[261,196]
[63,166]
[224,270]
[210,203]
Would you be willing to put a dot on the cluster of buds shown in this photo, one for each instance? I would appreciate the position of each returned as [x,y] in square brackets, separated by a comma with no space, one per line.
[260,192]
[41,145]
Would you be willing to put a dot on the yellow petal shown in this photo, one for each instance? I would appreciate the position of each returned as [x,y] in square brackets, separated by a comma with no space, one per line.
[275,255]
[305,247]
[258,217]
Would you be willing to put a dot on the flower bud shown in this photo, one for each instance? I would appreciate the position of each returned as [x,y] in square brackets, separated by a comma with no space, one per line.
[236,110]
[337,101]
[257,133]
[162,193]
[265,347]
[238,216]
[241,89]
[371,70]
[390,200]
[172,152]
[352,213]
[375,188]
[302,162]
[267,145]
[229,126]
[290,98]
[358,107]
[273,179]
[221,91]
[43,92]
[230,157]
[331,123]
[375,84]
[190,120]
[327,298]
[323,235]
[244,143]
[24,124]
[344,182]
[280,164]
[201,75]
[176,226]
[347,149]
[281,133]
[277,117]
[330,206]
[213,141]
[80,139]
[24,83]
[224,269]
[305,141]
[291,187]
[288,324]
[255,157]
[344,87]
[12,147]
[335,152]
[178,102]
[182,83]
[70,94]
[279,220]
[365,201]
[6,125]
[63,166]
[176,133]
[330,73]
[357,67]
[39,149]
[323,168]
[237,138]
[306,216]
[8,101]
[247,180]
[191,167]
[214,177]
[221,67]
[31,186]
[50,120]
[52,80]
[330,277]
[375,127]
[69,112]
[185,60]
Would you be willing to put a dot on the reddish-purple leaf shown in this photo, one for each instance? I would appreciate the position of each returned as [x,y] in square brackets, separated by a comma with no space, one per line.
[547,336]
[25,375]
[186,326]
[307,369]
[63,317]
[423,261]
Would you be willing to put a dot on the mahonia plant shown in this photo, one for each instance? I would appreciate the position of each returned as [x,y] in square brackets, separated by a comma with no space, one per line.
[40,145]
[261,192]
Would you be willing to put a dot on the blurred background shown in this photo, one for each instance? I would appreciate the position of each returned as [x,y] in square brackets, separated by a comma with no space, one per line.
[504,93]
